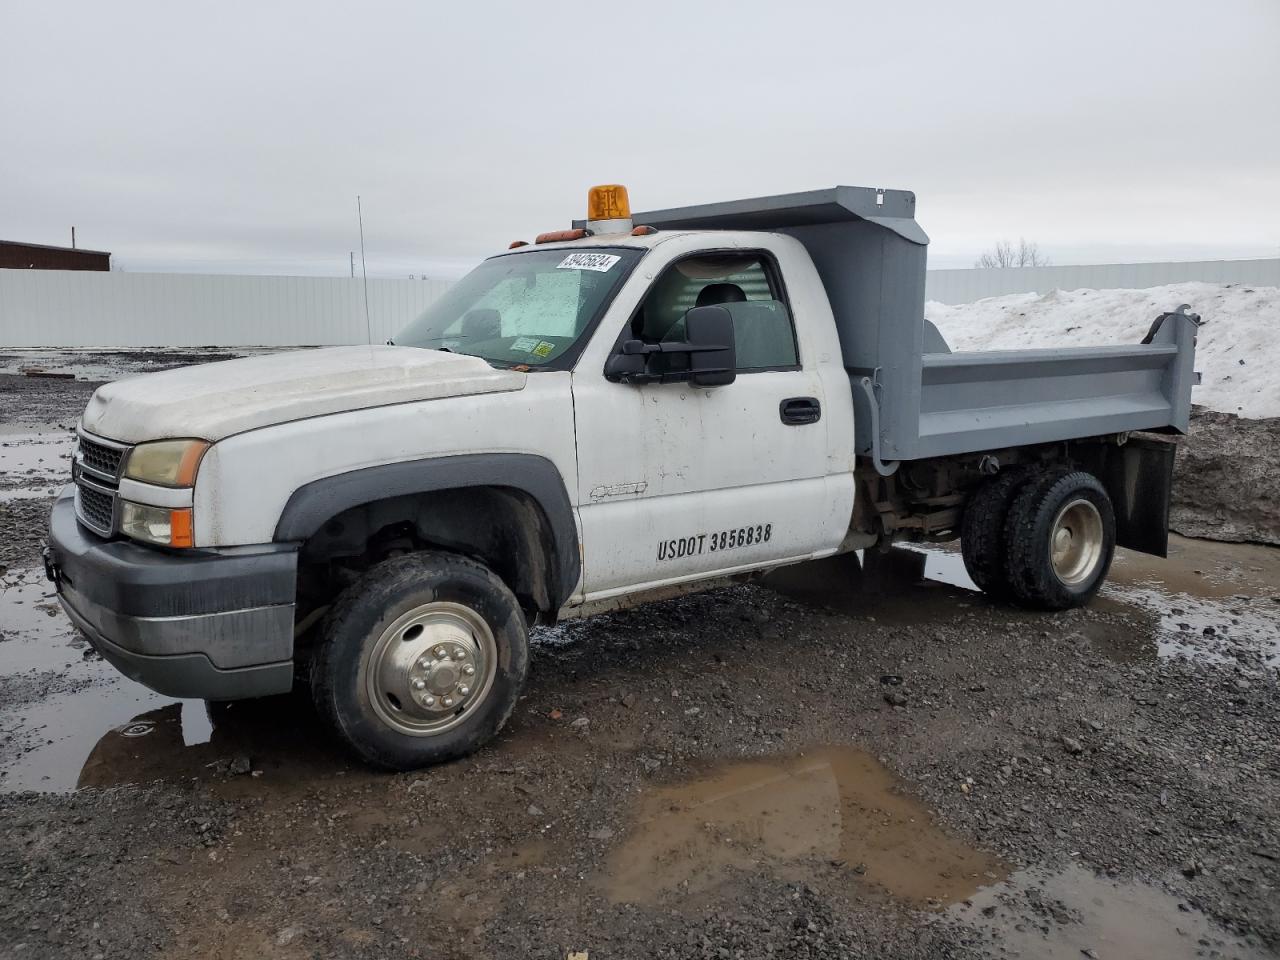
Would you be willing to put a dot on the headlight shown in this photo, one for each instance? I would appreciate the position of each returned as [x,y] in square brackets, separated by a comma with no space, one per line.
[170,463]
[160,525]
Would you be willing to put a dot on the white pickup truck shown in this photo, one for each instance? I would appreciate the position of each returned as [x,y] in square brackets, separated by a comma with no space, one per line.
[611,414]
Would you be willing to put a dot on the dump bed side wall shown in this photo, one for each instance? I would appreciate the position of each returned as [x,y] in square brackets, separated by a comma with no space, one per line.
[874,279]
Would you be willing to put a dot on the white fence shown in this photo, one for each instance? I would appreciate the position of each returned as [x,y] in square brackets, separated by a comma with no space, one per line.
[65,308]
[965,286]
[68,308]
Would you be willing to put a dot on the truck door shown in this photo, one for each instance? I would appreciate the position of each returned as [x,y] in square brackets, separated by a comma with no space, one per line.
[677,482]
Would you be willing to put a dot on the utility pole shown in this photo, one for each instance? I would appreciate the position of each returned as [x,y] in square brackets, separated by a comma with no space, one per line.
[353,264]
[73,238]
[364,271]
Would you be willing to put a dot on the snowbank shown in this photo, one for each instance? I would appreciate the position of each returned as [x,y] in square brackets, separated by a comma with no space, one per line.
[1238,348]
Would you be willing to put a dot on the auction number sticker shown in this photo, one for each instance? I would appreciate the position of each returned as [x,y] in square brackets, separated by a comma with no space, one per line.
[599,262]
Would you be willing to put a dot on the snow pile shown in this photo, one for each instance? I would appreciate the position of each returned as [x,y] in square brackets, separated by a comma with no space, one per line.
[1238,348]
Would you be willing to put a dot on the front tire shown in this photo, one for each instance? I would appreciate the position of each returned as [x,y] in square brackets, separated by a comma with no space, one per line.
[1061,537]
[422,660]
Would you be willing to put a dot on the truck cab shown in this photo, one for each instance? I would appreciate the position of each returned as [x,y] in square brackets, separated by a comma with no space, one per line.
[622,410]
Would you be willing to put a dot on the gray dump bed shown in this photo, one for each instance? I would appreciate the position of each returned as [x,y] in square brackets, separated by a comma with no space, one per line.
[910,404]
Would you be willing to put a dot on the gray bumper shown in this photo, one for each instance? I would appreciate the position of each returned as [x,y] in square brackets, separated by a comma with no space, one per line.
[209,624]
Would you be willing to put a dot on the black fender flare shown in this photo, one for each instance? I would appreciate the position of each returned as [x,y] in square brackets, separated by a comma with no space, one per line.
[314,504]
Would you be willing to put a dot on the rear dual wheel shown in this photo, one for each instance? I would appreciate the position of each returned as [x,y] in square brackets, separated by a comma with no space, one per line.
[1042,538]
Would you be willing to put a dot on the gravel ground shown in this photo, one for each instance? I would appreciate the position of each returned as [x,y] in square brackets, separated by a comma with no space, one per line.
[835,762]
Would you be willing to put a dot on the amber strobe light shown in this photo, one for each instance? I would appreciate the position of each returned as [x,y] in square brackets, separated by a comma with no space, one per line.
[608,202]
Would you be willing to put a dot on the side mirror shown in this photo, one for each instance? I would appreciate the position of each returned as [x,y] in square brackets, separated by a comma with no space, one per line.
[713,355]
[628,365]
[708,344]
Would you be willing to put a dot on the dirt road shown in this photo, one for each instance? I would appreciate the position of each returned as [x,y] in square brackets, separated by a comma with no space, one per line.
[844,760]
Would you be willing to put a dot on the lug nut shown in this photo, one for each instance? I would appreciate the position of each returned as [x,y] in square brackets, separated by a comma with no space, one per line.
[448,701]
[419,684]
[439,652]
[464,689]
[458,653]
[424,663]
[429,701]
[468,670]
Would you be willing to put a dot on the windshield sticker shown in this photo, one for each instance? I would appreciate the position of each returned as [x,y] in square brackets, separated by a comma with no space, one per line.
[543,349]
[523,344]
[599,262]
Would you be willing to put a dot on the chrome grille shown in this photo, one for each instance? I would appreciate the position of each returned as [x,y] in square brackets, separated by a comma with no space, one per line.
[96,508]
[100,457]
[96,471]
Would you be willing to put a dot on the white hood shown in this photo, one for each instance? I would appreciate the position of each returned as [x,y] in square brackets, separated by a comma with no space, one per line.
[216,400]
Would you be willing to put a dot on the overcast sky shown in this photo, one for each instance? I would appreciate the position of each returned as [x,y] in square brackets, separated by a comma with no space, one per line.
[235,137]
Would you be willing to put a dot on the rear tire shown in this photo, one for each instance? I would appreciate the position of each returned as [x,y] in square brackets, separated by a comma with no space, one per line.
[422,660]
[982,532]
[1061,537]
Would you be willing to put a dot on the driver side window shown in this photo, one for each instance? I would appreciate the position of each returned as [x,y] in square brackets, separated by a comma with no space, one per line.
[744,284]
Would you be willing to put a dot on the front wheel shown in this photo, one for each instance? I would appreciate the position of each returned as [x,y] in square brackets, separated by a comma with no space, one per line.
[422,660]
[1061,537]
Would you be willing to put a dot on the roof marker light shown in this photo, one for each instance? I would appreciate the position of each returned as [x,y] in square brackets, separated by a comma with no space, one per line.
[643,231]
[555,236]
[516,244]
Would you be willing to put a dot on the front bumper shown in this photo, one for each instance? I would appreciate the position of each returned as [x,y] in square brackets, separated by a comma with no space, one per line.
[208,624]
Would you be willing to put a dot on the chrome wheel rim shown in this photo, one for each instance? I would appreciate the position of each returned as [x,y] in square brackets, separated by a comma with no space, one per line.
[431,668]
[1075,542]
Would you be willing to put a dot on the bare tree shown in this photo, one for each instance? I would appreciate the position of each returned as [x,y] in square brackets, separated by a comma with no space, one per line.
[1005,254]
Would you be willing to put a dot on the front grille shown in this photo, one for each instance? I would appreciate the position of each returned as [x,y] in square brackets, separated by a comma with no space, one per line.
[96,471]
[100,457]
[95,507]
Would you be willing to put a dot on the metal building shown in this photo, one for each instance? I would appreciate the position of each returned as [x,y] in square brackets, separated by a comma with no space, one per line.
[38,256]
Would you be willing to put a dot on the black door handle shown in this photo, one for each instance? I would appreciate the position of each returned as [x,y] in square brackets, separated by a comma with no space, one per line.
[800,410]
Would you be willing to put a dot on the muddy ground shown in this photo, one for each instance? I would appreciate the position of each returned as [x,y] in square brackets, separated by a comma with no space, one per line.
[845,760]
[1227,479]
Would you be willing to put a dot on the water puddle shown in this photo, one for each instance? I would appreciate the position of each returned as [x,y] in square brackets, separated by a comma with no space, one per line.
[1217,602]
[834,815]
[111,732]
[1074,913]
[52,735]
[1214,602]
[1236,630]
[34,633]
[34,463]
[102,365]
[831,807]
[71,720]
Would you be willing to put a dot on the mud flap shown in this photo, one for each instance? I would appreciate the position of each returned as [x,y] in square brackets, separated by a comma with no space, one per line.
[1139,479]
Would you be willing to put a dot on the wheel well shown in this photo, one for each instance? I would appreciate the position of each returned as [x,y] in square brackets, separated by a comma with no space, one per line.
[501,527]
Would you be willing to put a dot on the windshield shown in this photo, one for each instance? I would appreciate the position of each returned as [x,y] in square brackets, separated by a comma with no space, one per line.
[527,308]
